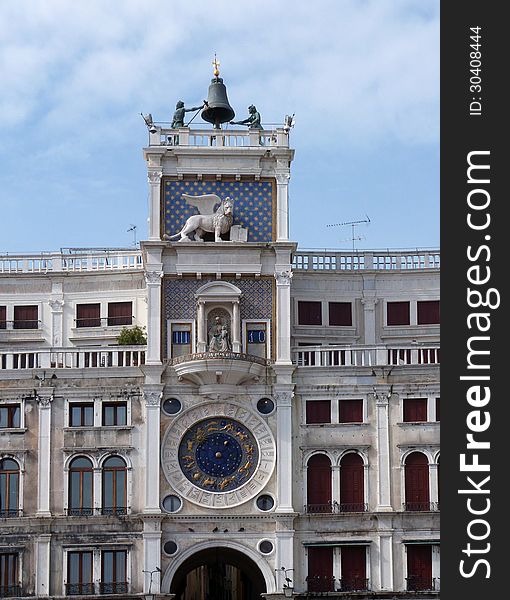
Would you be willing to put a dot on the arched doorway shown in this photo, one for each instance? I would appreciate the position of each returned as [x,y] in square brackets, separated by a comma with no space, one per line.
[218,573]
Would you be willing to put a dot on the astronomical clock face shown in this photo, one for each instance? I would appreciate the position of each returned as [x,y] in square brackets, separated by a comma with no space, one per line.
[218,454]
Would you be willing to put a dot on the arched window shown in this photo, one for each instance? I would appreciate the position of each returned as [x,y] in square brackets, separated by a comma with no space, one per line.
[114,486]
[352,483]
[319,484]
[81,487]
[417,482]
[9,488]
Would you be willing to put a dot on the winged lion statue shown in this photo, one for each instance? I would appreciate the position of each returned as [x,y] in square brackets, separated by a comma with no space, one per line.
[218,221]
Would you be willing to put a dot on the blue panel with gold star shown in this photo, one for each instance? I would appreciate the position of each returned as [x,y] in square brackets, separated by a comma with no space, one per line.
[253,204]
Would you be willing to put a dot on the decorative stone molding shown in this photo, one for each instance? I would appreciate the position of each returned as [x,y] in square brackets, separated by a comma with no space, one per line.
[153,277]
[283,277]
[369,303]
[56,305]
[152,397]
[44,401]
[283,398]
[154,177]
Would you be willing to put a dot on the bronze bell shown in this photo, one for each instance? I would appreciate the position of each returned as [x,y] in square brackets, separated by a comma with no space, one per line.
[217,109]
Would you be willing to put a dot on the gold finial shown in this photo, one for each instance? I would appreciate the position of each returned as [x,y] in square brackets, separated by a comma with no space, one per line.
[216,64]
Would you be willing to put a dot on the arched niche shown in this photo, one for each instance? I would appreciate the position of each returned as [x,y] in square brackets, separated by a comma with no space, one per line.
[218,301]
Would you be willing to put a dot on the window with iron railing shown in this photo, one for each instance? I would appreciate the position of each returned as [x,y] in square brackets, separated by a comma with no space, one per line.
[3,317]
[79,574]
[81,487]
[114,478]
[26,317]
[113,572]
[9,488]
[120,313]
[9,583]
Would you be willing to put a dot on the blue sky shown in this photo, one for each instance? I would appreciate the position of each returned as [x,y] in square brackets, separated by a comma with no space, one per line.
[361,76]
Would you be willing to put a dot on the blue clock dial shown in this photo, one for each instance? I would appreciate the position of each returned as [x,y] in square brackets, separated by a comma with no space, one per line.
[218,454]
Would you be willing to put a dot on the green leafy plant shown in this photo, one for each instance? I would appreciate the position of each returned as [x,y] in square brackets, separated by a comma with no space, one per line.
[132,336]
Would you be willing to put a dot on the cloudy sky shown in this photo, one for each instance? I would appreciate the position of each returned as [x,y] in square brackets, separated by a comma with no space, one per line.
[362,77]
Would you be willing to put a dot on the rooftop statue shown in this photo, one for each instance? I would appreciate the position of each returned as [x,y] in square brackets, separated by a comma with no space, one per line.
[219,221]
[253,121]
[180,111]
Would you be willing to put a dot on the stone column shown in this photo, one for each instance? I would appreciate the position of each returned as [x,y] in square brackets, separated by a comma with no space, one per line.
[152,394]
[383,452]
[154,176]
[433,484]
[236,328]
[283,279]
[284,555]
[282,203]
[335,483]
[44,400]
[151,555]
[42,565]
[201,333]
[385,561]
[283,400]
[369,305]
[153,280]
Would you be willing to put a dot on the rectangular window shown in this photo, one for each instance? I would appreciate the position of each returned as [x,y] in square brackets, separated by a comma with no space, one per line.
[9,575]
[340,313]
[113,572]
[438,402]
[350,411]
[3,317]
[309,313]
[88,315]
[114,413]
[26,317]
[10,415]
[320,570]
[79,574]
[415,410]
[81,415]
[428,312]
[181,339]
[354,569]
[419,567]
[318,411]
[120,313]
[398,313]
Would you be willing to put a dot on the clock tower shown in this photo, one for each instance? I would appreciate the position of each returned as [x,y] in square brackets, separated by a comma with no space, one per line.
[218,374]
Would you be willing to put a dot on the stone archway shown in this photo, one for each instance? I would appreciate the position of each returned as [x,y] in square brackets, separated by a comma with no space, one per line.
[218,573]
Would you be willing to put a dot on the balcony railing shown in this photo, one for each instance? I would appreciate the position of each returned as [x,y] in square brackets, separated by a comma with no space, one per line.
[9,513]
[88,260]
[80,589]
[118,587]
[366,356]
[421,506]
[319,584]
[419,583]
[364,260]
[91,589]
[90,512]
[11,591]
[222,355]
[104,321]
[335,508]
[73,358]
[270,136]
[20,324]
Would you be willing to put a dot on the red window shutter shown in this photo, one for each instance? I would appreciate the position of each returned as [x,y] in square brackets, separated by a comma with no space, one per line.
[26,317]
[340,313]
[318,411]
[354,569]
[319,483]
[352,483]
[428,312]
[120,313]
[88,315]
[419,567]
[438,403]
[415,410]
[309,313]
[350,411]
[3,317]
[398,313]
[320,569]
[417,482]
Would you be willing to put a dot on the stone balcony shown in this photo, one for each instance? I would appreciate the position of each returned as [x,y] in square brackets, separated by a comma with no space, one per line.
[228,368]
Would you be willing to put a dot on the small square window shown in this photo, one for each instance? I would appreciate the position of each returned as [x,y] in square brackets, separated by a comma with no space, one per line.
[81,415]
[318,411]
[340,314]
[428,312]
[309,313]
[114,413]
[120,313]
[3,317]
[10,416]
[88,315]
[350,411]
[415,410]
[398,313]
[26,317]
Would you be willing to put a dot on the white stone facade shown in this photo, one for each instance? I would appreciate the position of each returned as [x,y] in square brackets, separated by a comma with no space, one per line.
[304,328]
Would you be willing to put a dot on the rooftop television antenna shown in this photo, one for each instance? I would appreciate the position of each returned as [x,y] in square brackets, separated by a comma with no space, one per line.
[353,225]
[133,229]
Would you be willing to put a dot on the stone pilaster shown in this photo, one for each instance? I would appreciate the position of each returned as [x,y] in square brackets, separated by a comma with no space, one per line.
[152,395]
[282,203]
[283,279]
[151,555]
[42,565]
[383,452]
[153,279]
[44,399]
[283,400]
[154,176]
[369,304]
